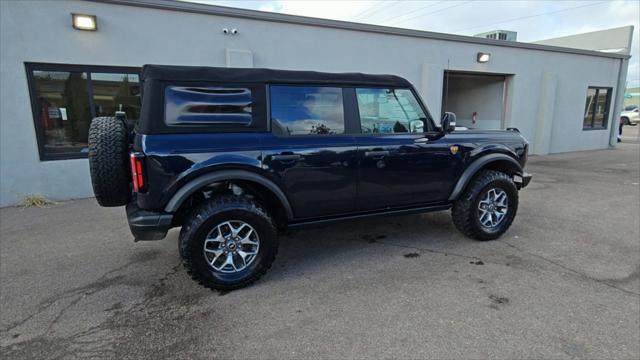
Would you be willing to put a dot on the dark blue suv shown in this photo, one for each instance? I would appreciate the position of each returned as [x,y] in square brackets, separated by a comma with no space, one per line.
[233,156]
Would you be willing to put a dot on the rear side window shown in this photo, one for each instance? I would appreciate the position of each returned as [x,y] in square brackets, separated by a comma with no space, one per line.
[307,110]
[389,111]
[211,106]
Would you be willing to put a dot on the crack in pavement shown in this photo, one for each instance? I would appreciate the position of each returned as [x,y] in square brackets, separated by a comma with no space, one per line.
[98,340]
[630,277]
[102,282]
[583,275]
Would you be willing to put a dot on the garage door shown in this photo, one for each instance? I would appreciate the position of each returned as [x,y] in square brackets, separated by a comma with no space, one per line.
[478,100]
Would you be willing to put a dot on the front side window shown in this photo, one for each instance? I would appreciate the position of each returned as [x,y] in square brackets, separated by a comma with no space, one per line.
[390,111]
[65,99]
[307,110]
[596,111]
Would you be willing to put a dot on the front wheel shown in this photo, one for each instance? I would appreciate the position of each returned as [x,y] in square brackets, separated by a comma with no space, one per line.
[487,207]
[228,243]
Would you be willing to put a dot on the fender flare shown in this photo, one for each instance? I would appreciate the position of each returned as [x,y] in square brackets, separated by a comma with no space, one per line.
[473,169]
[192,186]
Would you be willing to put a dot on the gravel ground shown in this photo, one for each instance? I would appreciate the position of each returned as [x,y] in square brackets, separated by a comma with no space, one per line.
[563,282]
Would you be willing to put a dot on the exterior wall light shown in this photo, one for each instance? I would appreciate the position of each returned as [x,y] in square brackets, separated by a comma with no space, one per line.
[84,22]
[483,57]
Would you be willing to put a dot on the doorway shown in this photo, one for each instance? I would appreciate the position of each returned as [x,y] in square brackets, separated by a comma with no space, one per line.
[477,99]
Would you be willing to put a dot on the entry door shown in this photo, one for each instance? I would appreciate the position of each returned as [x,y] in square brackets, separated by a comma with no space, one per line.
[400,170]
[318,175]
[403,161]
[309,151]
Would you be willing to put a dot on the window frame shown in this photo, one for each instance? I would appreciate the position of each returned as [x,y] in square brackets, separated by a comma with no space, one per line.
[592,115]
[347,110]
[30,67]
[430,121]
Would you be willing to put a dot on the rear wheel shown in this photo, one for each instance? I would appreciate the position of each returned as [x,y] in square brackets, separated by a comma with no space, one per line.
[109,161]
[625,121]
[488,206]
[228,243]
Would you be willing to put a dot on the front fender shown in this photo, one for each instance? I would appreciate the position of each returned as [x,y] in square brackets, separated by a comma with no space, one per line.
[476,166]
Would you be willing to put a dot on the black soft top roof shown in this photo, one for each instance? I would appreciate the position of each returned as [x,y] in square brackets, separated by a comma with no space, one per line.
[242,75]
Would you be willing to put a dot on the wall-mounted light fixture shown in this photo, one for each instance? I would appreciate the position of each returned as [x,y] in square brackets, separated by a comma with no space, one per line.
[84,22]
[483,57]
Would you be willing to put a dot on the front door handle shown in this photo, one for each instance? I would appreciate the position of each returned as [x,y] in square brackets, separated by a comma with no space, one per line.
[286,157]
[377,154]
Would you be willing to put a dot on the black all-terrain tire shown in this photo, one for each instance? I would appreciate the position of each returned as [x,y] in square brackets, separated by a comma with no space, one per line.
[109,161]
[465,211]
[202,221]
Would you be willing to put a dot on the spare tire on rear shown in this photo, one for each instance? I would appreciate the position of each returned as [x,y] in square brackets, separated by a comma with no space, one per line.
[109,161]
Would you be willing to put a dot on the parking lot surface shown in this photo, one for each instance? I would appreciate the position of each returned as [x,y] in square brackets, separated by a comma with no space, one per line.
[563,282]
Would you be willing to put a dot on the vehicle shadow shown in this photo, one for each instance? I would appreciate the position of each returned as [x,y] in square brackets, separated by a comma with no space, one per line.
[320,248]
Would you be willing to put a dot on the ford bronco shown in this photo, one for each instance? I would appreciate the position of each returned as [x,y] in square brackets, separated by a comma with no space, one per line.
[234,156]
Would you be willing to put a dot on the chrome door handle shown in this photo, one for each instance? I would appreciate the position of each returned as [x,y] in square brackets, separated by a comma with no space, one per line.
[421,140]
[376,154]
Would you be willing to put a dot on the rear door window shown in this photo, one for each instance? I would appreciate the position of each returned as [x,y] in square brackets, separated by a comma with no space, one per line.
[307,110]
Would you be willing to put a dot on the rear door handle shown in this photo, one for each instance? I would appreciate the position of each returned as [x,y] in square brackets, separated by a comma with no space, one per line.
[286,157]
[376,154]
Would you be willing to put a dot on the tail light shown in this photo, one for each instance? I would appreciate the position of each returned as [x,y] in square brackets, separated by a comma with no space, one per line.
[137,171]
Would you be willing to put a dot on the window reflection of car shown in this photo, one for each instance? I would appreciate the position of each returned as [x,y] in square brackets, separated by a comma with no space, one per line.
[630,115]
[388,126]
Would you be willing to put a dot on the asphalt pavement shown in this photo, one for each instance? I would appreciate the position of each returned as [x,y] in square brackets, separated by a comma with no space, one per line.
[563,282]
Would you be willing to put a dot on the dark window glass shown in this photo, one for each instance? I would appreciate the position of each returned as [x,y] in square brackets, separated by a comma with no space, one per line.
[63,110]
[66,97]
[300,110]
[596,110]
[388,111]
[206,106]
[502,36]
[116,92]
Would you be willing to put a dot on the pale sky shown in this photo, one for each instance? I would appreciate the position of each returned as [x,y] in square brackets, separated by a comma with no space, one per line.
[533,20]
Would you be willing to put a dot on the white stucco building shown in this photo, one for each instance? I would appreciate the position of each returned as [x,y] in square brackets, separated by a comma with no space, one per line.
[55,78]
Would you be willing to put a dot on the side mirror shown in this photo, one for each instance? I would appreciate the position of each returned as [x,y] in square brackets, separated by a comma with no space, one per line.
[448,123]
[416,126]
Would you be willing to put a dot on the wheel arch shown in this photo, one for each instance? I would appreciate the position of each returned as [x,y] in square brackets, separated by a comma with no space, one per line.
[499,162]
[217,176]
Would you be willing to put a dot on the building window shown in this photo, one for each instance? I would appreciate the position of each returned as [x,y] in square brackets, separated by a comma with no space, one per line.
[596,110]
[65,98]
[307,110]
[502,36]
